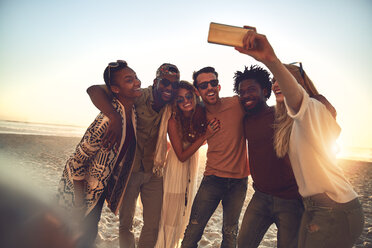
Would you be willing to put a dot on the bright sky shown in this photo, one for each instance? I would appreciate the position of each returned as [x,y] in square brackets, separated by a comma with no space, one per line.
[51,51]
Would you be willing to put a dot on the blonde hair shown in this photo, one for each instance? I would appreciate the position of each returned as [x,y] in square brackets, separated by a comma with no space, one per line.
[283,123]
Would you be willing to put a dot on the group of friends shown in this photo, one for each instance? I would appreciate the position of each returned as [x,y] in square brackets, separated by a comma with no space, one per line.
[287,150]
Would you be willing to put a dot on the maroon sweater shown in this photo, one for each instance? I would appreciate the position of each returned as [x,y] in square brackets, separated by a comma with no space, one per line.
[271,175]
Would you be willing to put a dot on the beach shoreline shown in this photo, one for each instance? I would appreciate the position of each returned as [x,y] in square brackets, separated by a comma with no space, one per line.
[35,162]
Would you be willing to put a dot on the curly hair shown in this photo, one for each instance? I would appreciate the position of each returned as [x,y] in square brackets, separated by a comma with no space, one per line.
[195,126]
[257,73]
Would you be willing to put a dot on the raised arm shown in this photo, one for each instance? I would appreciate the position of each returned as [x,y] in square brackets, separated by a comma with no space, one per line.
[101,98]
[257,46]
[176,139]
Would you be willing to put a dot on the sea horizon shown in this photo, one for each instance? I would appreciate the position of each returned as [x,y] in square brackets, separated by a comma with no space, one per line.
[38,128]
[68,130]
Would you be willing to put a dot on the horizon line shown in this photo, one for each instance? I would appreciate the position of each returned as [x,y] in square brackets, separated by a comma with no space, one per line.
[44,123]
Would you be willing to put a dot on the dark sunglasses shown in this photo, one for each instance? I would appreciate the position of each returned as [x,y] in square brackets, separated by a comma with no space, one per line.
[301,69]
[204,85]
[111,65]
[165,82]
[181,99]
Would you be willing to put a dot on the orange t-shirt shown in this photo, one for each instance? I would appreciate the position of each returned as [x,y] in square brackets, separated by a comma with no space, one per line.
[227,150]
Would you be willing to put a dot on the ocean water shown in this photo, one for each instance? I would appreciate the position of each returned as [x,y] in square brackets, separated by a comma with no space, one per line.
[16,127]
[356,153]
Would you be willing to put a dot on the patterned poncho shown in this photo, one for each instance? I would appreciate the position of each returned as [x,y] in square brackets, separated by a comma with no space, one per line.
[92,163]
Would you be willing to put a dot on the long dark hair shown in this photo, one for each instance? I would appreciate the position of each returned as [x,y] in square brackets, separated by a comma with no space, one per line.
[191,127]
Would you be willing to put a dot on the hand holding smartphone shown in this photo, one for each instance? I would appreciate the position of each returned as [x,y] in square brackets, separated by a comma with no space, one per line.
[226,35]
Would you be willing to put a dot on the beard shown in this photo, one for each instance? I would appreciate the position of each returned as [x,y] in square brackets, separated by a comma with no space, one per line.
[255,109]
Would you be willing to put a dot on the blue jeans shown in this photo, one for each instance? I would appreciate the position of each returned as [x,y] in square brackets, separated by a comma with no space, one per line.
[326,223]
[264,210]
[212,190]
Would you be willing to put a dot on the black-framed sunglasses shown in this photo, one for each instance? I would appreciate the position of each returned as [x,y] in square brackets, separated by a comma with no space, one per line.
[165,82]
[181,99]
[204,85]
[116,64]
[301,69]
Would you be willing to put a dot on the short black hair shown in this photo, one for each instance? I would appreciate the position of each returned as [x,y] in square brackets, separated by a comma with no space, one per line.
[208,69]
[257,73]
[110,71]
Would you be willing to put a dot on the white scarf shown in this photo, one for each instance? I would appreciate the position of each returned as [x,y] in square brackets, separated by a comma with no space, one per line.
[161,144]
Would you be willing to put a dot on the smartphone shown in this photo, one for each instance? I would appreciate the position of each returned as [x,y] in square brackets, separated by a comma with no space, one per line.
[226,35]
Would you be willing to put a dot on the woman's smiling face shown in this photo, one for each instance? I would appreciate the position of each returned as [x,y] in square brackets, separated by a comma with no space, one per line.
[277,92]
[185,100]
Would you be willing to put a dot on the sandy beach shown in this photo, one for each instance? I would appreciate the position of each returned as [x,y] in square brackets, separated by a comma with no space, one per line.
[35,163]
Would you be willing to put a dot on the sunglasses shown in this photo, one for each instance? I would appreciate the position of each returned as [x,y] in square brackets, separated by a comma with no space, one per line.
[118,63]
[165,82]
[181,99]
[204,85]
[301,69]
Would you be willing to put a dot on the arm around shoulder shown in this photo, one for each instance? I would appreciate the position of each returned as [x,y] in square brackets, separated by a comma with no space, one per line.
[102,98]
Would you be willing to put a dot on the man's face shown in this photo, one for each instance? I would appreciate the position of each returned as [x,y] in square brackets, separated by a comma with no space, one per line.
[251,95]
[207,91]
[165,86]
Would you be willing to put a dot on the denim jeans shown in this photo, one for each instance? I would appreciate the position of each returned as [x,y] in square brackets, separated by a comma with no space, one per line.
[326,223]
[151,189]
[264,210]
[211,192]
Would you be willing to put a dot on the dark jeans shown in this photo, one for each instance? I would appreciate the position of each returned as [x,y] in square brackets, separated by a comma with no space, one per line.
[264,210]
[326,223]
[90,225]
[211,192]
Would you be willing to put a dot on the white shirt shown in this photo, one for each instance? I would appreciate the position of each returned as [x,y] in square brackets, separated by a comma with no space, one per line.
[313,160]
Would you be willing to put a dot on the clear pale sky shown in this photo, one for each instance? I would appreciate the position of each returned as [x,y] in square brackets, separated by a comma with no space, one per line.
[51,51]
